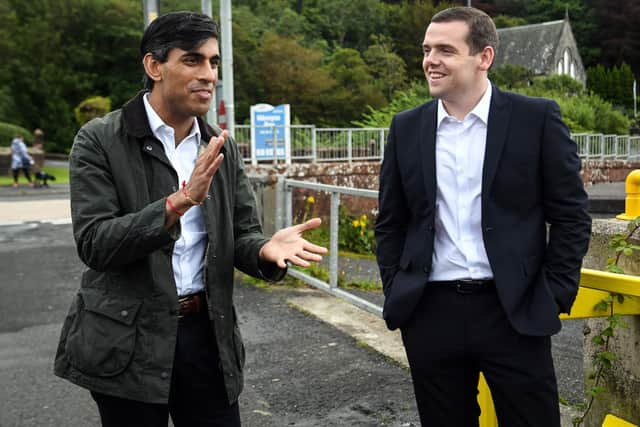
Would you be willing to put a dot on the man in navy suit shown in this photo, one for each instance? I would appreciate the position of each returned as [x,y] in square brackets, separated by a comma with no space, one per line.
[472,276]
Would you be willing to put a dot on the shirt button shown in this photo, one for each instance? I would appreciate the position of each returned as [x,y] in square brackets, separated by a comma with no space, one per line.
[124,313]
[148,147]
[164,375]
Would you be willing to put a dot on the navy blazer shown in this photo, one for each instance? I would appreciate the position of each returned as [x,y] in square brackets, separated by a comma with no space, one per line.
[530,178]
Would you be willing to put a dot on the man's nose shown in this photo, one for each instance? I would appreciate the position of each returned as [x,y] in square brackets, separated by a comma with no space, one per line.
[209,73]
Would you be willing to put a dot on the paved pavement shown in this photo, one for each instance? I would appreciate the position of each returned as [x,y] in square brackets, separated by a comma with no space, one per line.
[345,370]
[300,371]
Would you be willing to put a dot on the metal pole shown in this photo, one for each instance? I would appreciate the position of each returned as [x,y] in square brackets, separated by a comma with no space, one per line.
[227,64]
[212,114]
[206,7]
[274,141]
[334,223]
[150,9]
[468,3]
[635,99]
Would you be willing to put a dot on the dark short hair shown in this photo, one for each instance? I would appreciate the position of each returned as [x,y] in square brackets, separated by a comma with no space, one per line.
[182,30]
[482,30]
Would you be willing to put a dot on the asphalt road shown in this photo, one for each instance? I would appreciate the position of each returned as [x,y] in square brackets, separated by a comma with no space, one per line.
[299,371]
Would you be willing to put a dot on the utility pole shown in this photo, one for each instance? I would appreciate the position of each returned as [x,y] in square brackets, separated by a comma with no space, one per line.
[468,3]
[227,64]
[212,114]
[150,8]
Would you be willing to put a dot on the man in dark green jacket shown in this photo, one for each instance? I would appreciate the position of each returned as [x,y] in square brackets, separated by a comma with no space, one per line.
[162,213]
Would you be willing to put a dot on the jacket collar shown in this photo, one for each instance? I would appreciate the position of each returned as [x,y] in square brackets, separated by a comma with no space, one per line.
[497,129]
[136,122]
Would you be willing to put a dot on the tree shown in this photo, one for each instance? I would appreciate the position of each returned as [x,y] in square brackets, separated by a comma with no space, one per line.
[355,89]
[291,73]
[388,70]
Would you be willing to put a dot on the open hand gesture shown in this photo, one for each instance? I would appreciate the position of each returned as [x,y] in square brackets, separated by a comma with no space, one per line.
[289,245]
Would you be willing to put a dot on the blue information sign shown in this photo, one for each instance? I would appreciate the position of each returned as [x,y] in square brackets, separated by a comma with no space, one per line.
[269,123]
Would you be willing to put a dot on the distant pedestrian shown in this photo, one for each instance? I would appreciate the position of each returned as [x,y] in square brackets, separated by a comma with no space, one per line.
[20,160]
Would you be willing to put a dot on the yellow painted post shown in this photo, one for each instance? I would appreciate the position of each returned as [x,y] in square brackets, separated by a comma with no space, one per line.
[487,411]
[632,201]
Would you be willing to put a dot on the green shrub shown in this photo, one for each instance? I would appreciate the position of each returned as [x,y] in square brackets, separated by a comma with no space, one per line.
[90,108]
[356,233]
[8,131]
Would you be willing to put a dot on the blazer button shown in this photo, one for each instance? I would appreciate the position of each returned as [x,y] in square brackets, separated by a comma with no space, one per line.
[124,313]
[164,375]
[426,270]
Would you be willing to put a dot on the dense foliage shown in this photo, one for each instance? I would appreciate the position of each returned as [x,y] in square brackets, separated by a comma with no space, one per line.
[334,61]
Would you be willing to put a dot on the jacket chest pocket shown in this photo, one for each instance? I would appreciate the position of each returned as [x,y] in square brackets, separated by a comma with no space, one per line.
[102,338]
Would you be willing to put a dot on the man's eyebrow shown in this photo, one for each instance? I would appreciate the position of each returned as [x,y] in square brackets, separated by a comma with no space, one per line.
[439,46]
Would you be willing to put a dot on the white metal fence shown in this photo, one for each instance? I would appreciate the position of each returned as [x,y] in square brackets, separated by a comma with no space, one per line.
[284,218]
[311,144]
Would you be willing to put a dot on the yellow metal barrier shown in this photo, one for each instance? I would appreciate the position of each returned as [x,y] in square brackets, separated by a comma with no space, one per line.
[594,287]
[613,421]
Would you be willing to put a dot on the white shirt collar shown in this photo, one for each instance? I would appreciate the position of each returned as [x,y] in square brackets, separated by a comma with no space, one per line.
[481,110]
[157,124]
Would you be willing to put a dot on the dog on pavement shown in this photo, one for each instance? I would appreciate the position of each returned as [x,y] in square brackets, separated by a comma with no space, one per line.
[41,178]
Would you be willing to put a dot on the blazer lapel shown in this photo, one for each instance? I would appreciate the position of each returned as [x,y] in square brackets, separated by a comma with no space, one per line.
[427,144]
[498,126]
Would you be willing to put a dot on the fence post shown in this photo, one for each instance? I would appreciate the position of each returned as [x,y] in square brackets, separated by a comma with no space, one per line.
[381,144]
[333,239]
[349,145]
[280,198]
[274,141]
[314,146]
[288,205]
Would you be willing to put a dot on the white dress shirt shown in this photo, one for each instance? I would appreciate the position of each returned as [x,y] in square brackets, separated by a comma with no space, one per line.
[188,250]
[459,251]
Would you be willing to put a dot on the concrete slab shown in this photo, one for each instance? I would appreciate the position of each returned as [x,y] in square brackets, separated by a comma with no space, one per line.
[365,327]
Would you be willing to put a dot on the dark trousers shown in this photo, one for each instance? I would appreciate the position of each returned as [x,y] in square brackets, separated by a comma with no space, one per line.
[16,174]
[454,336]
[197,397]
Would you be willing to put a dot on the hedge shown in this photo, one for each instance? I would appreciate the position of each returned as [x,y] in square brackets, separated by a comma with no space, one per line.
[8,131]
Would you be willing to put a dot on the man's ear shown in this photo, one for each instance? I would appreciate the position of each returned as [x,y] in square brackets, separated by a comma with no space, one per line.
[486,58]
[152,67]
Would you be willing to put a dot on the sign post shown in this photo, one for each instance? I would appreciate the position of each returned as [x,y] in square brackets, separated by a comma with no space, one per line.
[270,133]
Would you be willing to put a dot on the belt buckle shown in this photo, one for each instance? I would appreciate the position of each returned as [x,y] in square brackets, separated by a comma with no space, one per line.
[466,286]
[180,301]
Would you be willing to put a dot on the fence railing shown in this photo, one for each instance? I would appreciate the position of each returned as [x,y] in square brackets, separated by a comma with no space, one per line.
[284,218]
[312,144]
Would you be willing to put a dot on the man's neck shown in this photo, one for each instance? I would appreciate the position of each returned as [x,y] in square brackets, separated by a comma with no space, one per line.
[181,125]
[460,108]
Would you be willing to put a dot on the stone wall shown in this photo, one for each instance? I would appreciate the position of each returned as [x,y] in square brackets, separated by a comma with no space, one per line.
[622,395]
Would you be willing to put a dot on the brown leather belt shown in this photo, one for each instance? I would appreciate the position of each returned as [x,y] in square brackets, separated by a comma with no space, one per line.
[191,304]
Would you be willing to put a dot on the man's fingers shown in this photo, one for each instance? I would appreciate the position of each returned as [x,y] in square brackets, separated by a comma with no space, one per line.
[296,260]
[315,248]
[310,256]
[213,167]
[309,225]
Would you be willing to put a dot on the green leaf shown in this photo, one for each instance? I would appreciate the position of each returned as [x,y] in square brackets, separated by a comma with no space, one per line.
[597,340]
[601,306]
[627,251]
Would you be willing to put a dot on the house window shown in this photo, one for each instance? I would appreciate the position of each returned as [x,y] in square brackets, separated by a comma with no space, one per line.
[572,71]
[560,67]
[567,61]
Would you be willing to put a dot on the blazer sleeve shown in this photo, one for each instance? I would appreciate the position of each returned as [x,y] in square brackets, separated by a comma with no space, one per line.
[565,208]
[393,216]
